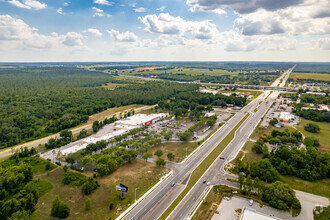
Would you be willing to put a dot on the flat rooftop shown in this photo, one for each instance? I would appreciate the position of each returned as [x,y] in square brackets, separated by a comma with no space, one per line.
[252,214]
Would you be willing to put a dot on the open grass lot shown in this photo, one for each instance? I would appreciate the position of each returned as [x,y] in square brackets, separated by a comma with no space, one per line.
[139,174]
[316,76]
[177,148]
[203,166]
[323,136]
[111,111]
[191,71]
[113,85]
[320,187]
[267,131]
[248,155]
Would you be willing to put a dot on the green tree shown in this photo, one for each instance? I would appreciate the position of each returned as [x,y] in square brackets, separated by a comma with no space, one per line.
[82,134]
[89,186]
[88,204]
[66,135]
[273,122]
[96,126]
[147,155]
[160,162]
[159,153]
[170,156]
[168,135]
[59,208]
[313,128]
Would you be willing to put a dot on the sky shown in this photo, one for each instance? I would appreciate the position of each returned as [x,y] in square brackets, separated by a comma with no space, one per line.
[167,30]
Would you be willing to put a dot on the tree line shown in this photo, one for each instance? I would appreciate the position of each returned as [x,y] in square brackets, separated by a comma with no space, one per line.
[36,102]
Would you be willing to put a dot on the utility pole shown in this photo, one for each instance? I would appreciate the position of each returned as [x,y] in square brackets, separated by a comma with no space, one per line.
[135,193]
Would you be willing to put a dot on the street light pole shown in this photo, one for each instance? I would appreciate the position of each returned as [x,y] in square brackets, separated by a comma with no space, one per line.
[135,193]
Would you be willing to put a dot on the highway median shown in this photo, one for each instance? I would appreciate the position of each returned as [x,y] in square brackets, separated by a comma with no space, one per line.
[203,166]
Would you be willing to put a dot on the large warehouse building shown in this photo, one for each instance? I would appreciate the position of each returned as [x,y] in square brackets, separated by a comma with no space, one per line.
[108,132]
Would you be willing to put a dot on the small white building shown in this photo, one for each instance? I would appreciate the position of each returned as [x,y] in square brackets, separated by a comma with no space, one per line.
[285,116]
[252,214]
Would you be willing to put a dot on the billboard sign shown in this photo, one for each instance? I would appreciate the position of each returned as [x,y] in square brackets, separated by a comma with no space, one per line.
[122,188]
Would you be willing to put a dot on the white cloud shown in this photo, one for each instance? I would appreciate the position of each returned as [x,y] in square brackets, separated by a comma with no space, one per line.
[233,41]
[93,31]
[140,9]
[103,2]
[161,8]
[66,4]
[72,39]
[164,23]
[60,11]
[123,37]
[241,6]
[100,13]
[28,4]
[324,43]
[97,9]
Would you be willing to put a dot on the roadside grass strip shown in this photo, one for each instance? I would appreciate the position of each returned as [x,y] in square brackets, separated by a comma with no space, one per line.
[200,170]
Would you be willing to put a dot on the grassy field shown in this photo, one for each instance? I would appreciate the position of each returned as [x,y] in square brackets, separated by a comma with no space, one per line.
[193,71]
[139,174]
[323,136]
[203,166]
[316,76]
[248,155]
[320,187]
[113,85]
[267,131]
[177,148]
[111,111]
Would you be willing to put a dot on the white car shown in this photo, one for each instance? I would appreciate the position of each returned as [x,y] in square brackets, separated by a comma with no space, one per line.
[226,198]
[251,202]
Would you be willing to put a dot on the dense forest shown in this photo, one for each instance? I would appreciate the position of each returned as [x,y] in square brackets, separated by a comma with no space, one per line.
[38,101]
[196,102]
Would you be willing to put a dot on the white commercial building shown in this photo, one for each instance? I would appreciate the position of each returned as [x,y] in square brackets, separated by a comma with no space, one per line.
[252,214]
[108,132]
[285,116]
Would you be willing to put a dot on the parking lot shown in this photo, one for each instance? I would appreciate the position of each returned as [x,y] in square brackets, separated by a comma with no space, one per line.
[232,209]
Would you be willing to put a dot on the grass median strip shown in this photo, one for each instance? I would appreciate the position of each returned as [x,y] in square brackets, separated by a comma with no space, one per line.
[200,170]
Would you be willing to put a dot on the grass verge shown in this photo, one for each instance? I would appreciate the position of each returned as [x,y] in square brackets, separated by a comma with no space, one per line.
[200,170]
[323,135]
[180,150]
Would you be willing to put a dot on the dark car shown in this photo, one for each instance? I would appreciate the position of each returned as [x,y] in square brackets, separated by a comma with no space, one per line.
[204,181]
[172,184]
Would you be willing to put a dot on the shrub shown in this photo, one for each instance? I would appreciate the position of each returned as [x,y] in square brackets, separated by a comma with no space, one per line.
[89,186]
[59,208]
[313,128]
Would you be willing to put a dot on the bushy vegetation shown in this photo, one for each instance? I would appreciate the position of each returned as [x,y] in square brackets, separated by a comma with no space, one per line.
[307,164]
[59,208]
[277,194]
[18,192]
[313,128]
[38,101]
[314,115]
[89,186]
